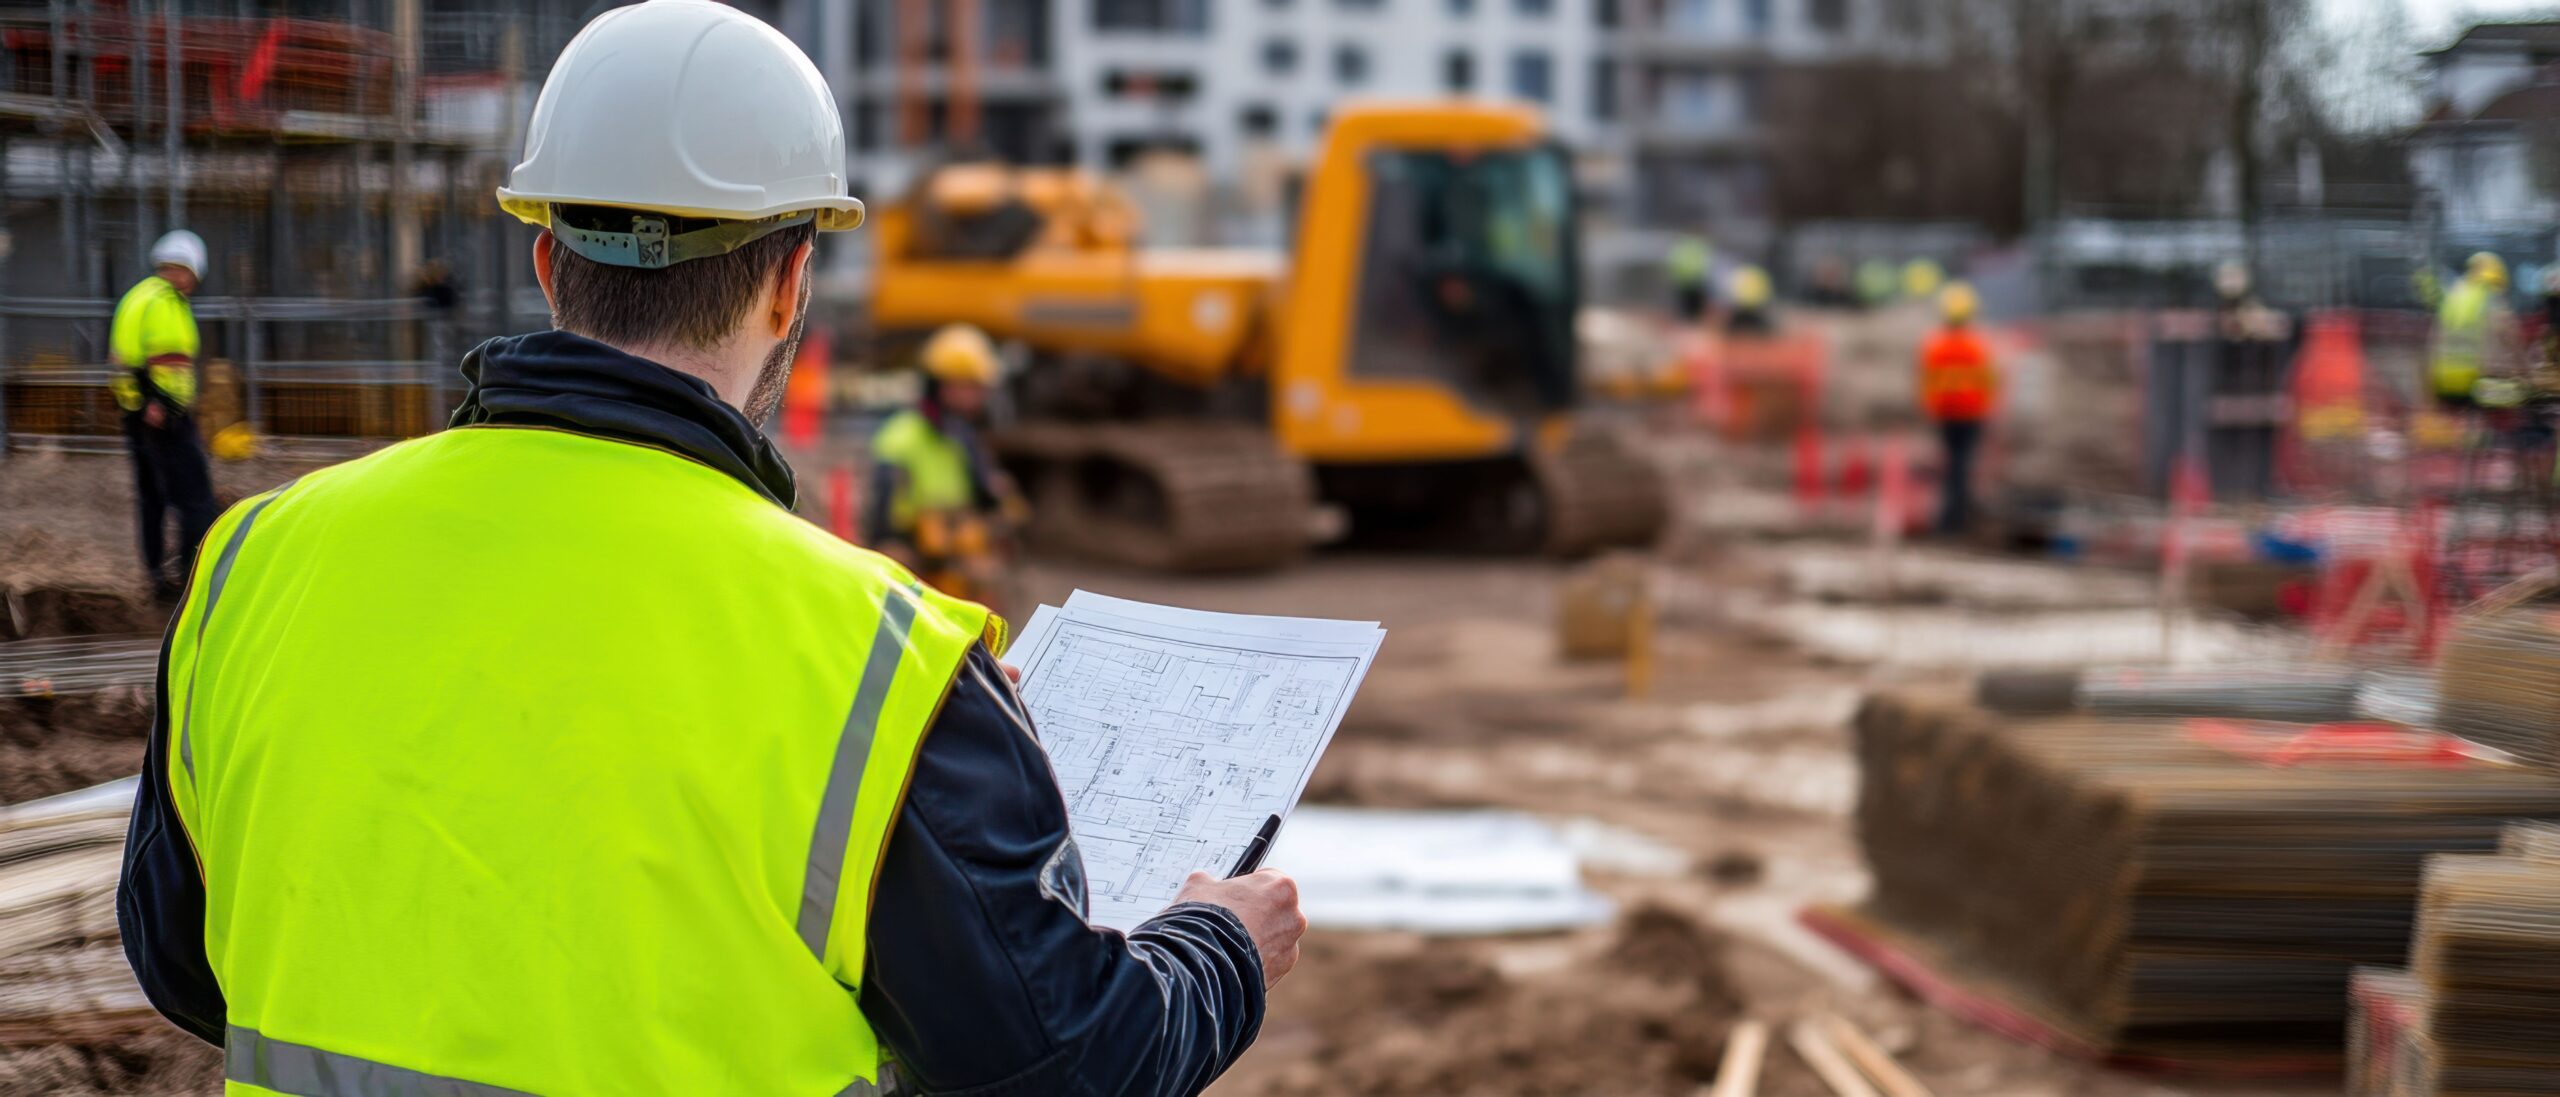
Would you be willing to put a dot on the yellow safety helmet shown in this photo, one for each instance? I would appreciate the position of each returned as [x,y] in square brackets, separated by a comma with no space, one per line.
[1921,278]
[1958,303]
[237,442]
[1750,288]
[2487,267]
[960,352]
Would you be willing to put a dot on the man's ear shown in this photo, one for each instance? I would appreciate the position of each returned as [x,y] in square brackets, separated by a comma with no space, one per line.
[543,246]
[785,310]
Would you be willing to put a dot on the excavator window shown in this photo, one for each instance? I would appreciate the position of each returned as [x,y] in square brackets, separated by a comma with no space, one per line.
[1469,275]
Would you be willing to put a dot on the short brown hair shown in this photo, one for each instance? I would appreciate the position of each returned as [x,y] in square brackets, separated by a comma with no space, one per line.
[696,303]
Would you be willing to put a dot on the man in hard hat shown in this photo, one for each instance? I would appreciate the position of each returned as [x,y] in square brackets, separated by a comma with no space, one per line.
[936,494]
[152,341]
[2474,328]
[1959,388]
[553,754]
[1687,265]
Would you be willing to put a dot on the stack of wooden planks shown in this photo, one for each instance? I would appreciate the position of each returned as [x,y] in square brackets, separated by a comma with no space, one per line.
[2153,897]
[2484,975]
[62,971]
[2500,683]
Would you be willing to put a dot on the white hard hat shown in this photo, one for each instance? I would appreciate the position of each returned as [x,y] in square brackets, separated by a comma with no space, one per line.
[180,248]
[686,108]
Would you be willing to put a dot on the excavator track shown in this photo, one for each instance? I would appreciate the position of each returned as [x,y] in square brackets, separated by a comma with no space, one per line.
[1164,496]
[1599,493]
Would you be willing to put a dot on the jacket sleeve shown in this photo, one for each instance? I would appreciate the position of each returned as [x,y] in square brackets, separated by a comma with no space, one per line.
[160,898]
[984,977]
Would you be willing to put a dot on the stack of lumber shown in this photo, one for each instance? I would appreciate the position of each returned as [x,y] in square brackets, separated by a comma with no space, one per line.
[2487,957]
[62,971]
[2500,683]
[2148,895]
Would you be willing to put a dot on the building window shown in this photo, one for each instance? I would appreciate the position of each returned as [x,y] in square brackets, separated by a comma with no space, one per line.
[1533,9]
[1360,5]
[1604,13]
[1458,71]
[1533,75]
[1279,5]
[1829,15]
[1279,56]
[1604,89]
[1756,14]
[1690,16]
[1462,8]
[1259,121]
[1686,100]
[1188,16]
[1350,65]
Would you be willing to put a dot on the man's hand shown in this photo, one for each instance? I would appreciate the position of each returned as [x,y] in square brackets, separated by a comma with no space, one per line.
[1267,903]
[151,413]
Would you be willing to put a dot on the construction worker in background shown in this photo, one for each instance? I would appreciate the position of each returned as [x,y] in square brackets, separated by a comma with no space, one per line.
[1687,266]
[938,502]
[1875,283]
[1958,390]
[1752,296]
[553,754]
[153,343]
[2474,327]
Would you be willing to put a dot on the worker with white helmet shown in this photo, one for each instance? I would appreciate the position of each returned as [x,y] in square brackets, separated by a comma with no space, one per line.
[553,754]
[152,342]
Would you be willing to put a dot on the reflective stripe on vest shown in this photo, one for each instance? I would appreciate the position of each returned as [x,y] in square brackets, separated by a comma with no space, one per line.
[213,597]
[522,761]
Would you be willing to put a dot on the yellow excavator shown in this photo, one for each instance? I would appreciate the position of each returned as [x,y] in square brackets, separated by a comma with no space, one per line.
[1412,362]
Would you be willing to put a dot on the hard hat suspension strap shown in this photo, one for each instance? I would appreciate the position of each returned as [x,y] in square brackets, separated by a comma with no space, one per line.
[653,241]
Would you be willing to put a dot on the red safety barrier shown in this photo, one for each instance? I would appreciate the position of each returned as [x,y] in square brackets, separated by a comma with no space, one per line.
[841,502]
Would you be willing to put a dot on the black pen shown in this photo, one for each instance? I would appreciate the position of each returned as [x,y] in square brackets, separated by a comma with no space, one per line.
[1254,850]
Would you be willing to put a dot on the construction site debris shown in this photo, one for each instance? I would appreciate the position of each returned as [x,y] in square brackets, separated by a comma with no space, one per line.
[62,973]
[2153,897]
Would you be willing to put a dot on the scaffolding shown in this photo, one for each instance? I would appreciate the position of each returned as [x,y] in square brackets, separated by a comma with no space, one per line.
[336,157]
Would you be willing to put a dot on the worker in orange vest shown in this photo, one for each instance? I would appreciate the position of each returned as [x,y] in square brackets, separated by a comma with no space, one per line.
[1958,389]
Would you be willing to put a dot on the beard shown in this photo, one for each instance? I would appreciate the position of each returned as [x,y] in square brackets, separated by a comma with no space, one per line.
[775,375]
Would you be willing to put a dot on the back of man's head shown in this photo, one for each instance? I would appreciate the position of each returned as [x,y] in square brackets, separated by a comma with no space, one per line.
[700,304]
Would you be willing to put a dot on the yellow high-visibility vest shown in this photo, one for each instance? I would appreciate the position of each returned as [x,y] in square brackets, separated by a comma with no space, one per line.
[934,468]
[152,321]
[520,761]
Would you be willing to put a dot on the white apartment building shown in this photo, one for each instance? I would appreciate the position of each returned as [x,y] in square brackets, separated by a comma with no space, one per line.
[1228,79]
[2491,97]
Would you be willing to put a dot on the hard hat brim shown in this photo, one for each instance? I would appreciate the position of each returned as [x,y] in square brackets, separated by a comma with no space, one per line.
[834,214]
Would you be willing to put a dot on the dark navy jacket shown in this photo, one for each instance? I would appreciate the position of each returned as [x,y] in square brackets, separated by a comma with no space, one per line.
[984,977]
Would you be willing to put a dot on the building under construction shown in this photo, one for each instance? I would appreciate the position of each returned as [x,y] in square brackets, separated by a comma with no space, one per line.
[336,155]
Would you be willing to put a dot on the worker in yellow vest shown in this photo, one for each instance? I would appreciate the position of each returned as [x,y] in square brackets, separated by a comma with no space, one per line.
[938,502]
[153,343]
[554,754]
[2475,330]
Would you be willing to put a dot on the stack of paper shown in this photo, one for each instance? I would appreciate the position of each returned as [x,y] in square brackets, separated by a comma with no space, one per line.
[1177,733]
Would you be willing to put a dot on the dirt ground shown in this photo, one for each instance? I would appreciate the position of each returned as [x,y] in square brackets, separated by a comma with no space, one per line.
[1737,759]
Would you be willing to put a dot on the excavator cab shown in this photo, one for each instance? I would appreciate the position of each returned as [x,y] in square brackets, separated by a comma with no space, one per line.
[1428,369]
[1467,277]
